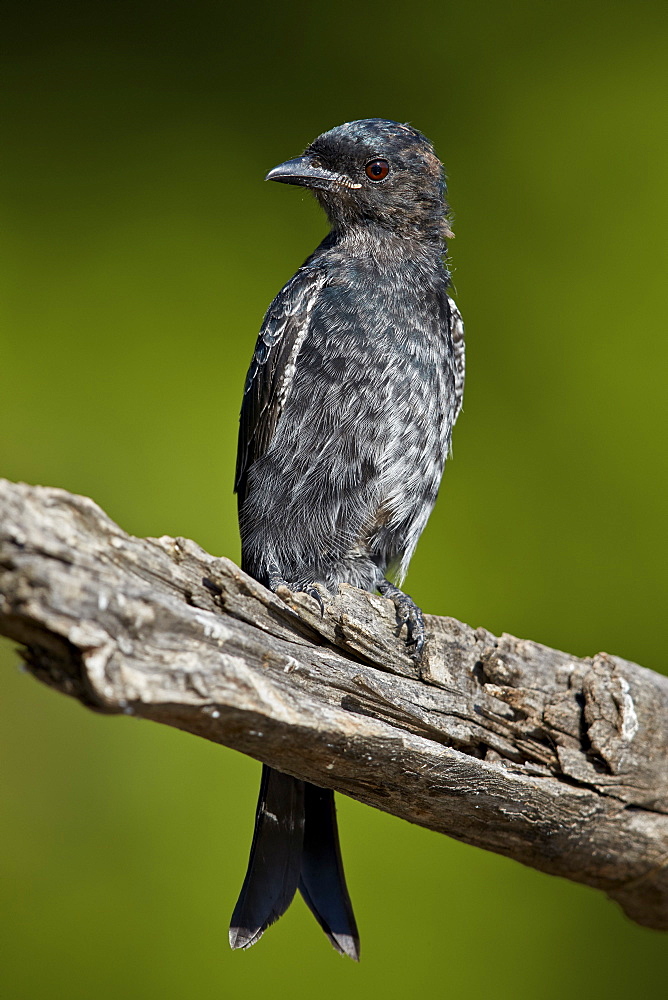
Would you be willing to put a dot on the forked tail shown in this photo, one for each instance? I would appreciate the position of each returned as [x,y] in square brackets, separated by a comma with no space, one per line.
[295,845]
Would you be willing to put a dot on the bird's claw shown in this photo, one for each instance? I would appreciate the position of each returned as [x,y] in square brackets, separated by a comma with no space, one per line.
[313,591]
[312,588]
[411,616]
[408,614]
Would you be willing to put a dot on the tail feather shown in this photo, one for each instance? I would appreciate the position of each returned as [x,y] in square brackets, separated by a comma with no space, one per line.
[323,882]
[275,856]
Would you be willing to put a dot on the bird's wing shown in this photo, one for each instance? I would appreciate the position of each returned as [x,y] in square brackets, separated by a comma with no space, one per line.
[273,366]
[457,334]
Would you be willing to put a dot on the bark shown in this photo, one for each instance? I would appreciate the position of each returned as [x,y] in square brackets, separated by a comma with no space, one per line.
[556,761]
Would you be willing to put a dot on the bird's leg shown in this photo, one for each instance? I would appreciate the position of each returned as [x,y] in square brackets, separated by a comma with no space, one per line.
[312,588]
[408,613]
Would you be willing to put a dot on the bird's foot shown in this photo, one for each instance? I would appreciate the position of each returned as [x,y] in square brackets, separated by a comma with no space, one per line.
[312,588]
[316,591]
[408,614]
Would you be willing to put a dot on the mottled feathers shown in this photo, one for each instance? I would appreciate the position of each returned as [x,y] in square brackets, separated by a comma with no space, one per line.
[346,423]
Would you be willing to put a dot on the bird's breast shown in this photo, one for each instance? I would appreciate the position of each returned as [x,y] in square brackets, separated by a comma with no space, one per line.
[374,336]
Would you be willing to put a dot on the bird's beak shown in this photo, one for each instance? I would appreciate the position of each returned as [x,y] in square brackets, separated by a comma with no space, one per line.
[301,171]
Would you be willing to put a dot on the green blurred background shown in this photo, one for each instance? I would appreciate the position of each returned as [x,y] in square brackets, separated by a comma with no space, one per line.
[140,250]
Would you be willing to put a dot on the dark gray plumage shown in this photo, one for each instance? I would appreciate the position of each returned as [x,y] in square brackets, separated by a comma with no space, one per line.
[347,417]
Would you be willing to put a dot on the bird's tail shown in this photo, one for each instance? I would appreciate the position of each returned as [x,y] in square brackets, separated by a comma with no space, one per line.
[295,844]
[322,881]
[275,857]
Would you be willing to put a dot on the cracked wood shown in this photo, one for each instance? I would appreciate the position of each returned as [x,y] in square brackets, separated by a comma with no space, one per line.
[557,761]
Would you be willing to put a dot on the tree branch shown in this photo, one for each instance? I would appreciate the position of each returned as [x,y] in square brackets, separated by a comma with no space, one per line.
[558,762]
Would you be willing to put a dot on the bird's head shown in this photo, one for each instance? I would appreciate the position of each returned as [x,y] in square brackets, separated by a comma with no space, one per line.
[374,172]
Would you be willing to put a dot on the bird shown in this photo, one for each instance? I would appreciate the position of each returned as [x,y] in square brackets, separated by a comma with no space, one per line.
[352,393]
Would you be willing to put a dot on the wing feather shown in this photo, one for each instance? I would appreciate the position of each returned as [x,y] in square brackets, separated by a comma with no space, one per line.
[457,334]
[272,369]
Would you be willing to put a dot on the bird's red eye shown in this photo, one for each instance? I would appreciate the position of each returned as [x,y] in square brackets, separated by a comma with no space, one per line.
[377,170]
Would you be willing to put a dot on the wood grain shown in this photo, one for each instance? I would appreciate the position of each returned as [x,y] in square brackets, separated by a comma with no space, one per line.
[557,761]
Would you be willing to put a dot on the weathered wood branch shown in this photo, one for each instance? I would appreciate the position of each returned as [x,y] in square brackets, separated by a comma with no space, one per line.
[558,762]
